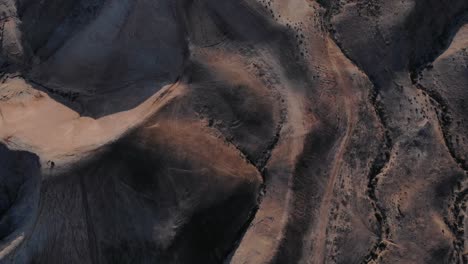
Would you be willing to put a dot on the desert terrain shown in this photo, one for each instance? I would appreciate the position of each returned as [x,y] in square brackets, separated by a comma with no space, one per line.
[236,132]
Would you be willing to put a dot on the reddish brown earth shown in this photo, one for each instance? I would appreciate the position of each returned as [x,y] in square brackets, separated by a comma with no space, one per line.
[249,131]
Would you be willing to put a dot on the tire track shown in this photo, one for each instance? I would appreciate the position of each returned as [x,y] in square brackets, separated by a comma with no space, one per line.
[381,160]
[377,168]
[260,165]
[291,133]
[92,242]
[320,236]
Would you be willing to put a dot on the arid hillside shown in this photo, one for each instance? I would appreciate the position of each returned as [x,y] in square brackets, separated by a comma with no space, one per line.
[233,131]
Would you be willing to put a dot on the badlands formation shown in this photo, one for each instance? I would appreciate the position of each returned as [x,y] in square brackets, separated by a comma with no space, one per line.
[233,131]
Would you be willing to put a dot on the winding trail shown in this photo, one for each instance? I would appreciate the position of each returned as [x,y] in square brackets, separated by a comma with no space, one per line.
[319,237]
